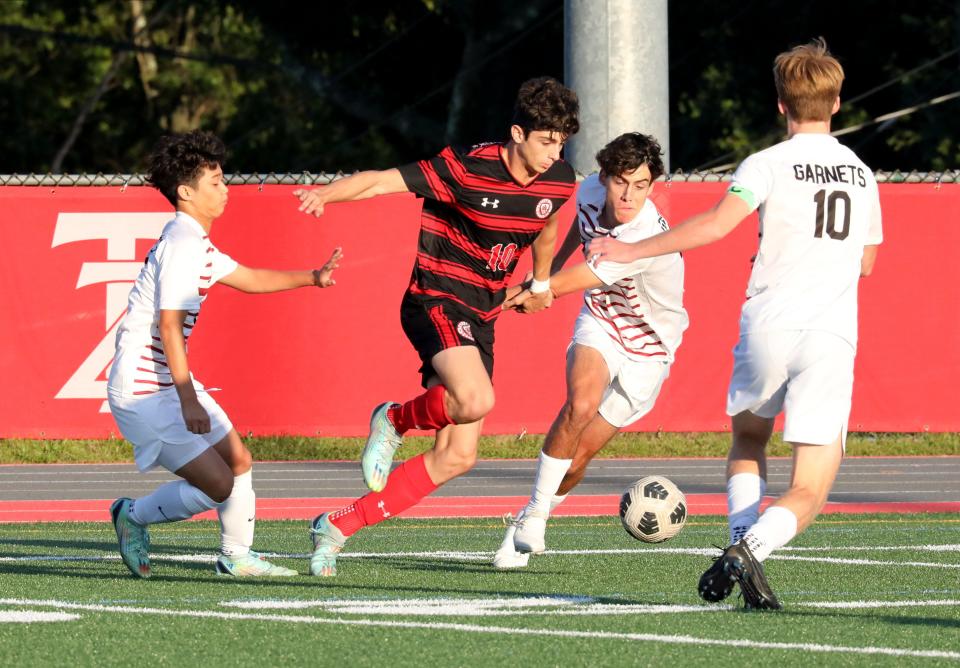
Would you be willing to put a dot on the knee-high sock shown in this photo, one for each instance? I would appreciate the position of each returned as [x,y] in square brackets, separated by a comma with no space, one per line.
[550,472]
[775,528]
[170,502]
[238,517]
[744,493]
[428,411]
[408,483]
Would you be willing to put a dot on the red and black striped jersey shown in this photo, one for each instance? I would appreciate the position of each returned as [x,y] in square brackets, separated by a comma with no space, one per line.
[476,222]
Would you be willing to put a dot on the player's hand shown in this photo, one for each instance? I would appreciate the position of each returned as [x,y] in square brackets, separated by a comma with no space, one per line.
[536,301]
[323,277]
[310,201]
[515,303]
[512,292]
[605,249]
[195,417]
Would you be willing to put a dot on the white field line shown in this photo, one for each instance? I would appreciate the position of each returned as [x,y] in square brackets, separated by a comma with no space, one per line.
[865,605]
[484,555]
[862,562]
[558,606]
[31,616]
[534,605]
[495,630]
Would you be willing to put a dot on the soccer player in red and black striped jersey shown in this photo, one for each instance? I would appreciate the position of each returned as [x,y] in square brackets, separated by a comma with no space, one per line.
[482,208]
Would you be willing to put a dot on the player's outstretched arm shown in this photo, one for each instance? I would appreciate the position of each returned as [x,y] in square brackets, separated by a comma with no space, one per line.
[195,417]
[361,185]
[572,279]
[699,230]
[259,281]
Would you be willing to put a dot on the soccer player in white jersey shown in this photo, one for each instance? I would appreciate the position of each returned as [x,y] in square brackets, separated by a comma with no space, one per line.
[820,227]
[624,339]
[159,407]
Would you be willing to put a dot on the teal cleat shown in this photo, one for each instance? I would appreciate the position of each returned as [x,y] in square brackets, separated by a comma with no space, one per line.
[378,452]
[327,543]
[251,564]
[134,538]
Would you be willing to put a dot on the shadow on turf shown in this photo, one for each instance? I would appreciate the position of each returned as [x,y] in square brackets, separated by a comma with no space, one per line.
[204,573]
[887,618]
[446,565]
[81,548]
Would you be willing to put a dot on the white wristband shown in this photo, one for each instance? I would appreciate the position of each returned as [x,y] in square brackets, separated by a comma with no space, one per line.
[537,287]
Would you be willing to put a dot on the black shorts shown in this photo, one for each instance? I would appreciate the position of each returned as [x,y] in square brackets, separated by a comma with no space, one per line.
[433,325]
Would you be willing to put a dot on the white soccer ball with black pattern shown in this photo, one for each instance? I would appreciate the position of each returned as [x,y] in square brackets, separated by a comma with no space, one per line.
[653,509]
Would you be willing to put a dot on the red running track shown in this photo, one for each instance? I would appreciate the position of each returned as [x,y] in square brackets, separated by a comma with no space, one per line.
[97,510]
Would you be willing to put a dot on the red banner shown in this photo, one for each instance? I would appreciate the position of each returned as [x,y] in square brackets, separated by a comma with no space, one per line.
[316,361]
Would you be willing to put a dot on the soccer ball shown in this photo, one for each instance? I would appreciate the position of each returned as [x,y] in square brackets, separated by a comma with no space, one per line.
[653,509]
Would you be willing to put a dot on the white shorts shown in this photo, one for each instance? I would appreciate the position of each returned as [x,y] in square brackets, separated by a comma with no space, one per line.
[807,374]
[634,384]
[155,426]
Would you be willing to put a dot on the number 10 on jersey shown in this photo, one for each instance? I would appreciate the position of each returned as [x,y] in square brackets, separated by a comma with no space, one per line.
[827,215]
[501,256]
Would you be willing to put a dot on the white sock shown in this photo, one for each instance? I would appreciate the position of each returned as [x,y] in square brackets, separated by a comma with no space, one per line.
[556,501]
[550,472]
[238,517]
[744,493]
[775,528]
[177,500]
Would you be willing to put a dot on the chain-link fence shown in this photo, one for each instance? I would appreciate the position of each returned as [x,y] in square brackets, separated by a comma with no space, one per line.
[306,178]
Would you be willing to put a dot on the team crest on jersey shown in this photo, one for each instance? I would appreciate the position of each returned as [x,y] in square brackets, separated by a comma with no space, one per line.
[544,208]
[463,329]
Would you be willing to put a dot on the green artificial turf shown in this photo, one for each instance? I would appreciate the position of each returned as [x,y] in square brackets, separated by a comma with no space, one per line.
[403,583]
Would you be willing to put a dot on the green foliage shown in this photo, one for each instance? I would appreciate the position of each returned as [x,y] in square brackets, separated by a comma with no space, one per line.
[631,444]
[89,85]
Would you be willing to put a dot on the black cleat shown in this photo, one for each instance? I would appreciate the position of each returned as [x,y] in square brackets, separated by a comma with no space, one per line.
[715,584]
[737,564]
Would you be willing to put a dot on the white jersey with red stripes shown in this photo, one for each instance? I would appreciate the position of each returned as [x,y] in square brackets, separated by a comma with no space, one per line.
[640,304]
[819,206]
[176,276]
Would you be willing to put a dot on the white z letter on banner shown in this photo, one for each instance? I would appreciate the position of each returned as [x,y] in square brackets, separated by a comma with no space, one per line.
[121,231]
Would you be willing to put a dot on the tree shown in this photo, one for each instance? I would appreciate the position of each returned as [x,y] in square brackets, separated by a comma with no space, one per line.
[89,85]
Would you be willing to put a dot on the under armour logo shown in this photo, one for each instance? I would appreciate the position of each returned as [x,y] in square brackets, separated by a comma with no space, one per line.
[494,203]
[380,505]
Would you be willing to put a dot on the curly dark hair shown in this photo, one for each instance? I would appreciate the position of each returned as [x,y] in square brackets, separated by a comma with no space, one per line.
[628,151]
[180,159]
[546,104]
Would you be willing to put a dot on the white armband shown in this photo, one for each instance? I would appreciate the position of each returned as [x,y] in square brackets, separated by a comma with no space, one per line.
[536,287]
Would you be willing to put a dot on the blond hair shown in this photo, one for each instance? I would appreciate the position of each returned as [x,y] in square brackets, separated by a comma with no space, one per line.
[808,80]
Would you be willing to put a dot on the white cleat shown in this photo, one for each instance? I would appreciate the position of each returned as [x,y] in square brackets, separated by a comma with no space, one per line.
[530,530]
[507,556]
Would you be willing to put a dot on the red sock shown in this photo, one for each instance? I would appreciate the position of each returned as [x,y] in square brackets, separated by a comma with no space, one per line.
[428,411]
[408,483]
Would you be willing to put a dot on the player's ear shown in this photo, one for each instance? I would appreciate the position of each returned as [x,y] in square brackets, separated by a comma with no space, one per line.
[781,107]
[517,134]
[184,192]
[836,106]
